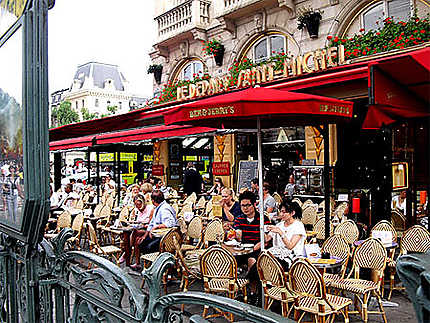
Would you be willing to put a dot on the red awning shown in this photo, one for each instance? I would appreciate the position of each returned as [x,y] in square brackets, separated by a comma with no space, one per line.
[71,143]
[401,88]
[274,107]
[130,120]
[156,132]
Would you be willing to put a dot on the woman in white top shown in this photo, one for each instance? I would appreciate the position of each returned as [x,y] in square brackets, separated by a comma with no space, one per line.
[143,213]
[129,197]
[290,233]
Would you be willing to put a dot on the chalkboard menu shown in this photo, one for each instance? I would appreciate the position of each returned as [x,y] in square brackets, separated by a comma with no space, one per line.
[248,170]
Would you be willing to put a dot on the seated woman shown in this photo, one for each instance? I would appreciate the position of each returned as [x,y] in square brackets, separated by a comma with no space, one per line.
[290,233]
[217,188]
[142,213]
[129,197]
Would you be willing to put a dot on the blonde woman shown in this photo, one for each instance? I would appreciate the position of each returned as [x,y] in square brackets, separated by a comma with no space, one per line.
[142,213]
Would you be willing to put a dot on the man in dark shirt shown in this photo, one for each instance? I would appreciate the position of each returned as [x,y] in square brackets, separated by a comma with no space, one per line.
[247,226]
[192,180]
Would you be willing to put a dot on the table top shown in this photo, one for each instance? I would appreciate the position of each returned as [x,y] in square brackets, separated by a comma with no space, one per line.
[160,232]
[238,250]
[319,262]
[386,245]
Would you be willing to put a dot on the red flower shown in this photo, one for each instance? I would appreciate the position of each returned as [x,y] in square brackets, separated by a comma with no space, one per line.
[343,40]
[362,29]
[329,37]
[378,34]
[422,31]
[336,39]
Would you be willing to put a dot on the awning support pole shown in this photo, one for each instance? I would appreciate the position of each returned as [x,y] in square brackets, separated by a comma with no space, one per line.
[118,176]
[260,181]
[325,133]
[98,177]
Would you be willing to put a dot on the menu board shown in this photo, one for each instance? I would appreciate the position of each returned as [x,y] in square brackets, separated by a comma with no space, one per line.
[248,170]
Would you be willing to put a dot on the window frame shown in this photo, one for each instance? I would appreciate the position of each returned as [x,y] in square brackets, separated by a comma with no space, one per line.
[269,47]
[182,71]
[384,10]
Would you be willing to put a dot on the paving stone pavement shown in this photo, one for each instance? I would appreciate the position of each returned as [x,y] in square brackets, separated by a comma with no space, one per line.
[403,312]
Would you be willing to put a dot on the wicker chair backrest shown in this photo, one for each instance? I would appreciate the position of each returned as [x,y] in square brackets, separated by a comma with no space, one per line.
[97,209]
[214,232]
[385,226]
[348,230]
[415,239]
[195,228]
[218,263]
[306,203]
[337,246]
[370,254]
[309,215]
[208,208]
[270,270]
[166,243]
[78,221]
[319,228]
[201,203]
[305,279]
[64,220]
[124,213]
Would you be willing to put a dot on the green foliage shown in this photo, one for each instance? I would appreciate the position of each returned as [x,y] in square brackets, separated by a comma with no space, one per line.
[64,114]
[211,47]
[154,67]
[112,109]
[86,115]
[390,36]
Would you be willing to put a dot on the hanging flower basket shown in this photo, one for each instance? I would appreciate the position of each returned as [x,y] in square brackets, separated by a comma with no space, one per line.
[219,55]
[215,48]
[309,19]
[157,70]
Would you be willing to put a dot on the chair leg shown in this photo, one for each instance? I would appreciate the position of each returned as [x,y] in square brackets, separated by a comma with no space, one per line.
[381,307]
[364,307]
[392,282]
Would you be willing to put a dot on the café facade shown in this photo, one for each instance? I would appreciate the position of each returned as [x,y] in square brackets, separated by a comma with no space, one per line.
[379,152]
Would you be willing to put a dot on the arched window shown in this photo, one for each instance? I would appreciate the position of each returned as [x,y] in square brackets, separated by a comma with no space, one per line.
[190,70]
[269,46]
[399,9]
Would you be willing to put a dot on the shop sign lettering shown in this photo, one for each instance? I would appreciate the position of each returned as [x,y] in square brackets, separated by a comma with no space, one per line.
[315,61]
[211,112]
[221,168]
[338,109]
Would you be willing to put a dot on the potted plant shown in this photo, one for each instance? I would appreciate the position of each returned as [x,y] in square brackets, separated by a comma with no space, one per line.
[309,18]
[215,48]
[157,70]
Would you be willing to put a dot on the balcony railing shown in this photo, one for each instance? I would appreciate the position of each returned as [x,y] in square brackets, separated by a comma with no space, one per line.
[236,4]
[185,16]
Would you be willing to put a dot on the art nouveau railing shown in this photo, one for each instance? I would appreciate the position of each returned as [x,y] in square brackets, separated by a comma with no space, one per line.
[77,286]
[185,16]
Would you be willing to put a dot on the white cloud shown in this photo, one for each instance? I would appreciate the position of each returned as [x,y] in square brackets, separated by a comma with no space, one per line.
[106,31]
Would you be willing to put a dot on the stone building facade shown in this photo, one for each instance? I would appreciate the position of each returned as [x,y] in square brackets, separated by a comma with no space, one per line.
[255,29]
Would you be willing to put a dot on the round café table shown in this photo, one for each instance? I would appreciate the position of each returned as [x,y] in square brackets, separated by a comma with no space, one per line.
[387,246]
[324,264]
[126,232]
[238,250]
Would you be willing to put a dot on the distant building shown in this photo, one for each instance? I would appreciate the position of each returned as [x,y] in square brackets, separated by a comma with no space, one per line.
[97,86]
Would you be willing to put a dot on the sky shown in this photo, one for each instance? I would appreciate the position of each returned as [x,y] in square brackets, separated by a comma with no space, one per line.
[105,31]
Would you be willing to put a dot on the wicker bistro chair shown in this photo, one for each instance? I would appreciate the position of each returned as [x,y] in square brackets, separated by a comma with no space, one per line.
[214,232]
[274,282]
[306,203]
[77,226]
[398,220]
[337,246]
[385,226]
[310,295]
[97,210]
[319,228]
[300,203]
[64,221]
[166,245]
[109,251]
[348,230]
[194,232]
[190,267]
[415,240]
[219,271]
[309,215]
[370,254]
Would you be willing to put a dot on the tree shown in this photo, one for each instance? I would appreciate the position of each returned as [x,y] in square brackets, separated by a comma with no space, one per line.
[112,109]
[64,114]
[86,115]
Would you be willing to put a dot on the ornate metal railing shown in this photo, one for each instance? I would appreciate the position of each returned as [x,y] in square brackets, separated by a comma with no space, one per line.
[185,16]
[78,286]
